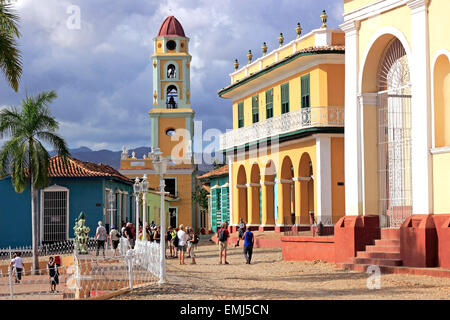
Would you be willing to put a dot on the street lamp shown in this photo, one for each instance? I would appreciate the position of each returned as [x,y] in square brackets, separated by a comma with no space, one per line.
[111,199]
[144,189]
[137,191]
[160,166]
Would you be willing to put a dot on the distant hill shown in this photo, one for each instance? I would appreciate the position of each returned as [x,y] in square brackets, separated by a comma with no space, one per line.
[112,158]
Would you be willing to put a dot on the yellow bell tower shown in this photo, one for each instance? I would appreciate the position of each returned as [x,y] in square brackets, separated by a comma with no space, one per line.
[172,119]
[172,126]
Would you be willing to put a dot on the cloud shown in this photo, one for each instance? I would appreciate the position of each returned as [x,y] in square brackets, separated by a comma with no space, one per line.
[102,71]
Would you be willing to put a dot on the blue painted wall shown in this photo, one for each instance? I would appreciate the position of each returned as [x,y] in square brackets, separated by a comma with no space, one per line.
[85,194]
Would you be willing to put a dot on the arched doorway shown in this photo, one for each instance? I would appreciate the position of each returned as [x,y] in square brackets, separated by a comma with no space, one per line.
[286,192]
[394,136]
[241,194]
[269,195]
[305,170]
[254,212]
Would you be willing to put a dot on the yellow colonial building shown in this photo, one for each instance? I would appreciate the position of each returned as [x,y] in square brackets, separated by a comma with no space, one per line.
[397,122]
[286,149]
[171,122]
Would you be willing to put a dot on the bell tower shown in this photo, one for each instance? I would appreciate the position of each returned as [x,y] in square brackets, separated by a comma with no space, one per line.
[171,91]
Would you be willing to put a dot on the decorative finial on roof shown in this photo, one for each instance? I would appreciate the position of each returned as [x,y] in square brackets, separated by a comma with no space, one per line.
[281,39]
[236,64]
[324,18]
[298,30]
[249,56]
[264,49]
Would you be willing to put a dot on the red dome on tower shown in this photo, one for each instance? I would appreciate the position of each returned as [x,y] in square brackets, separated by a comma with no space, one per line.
[171,27]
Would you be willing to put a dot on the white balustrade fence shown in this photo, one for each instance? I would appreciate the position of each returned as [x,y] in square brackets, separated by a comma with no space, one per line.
[87,275]
[285,123]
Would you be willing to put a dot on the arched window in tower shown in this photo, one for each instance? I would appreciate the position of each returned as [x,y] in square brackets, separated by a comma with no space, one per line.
[171,71]
[172,97]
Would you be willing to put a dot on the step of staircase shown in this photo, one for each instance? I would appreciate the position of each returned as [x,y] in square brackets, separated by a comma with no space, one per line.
[387,242]
[375,248]
[378,262]
[433,272]
[378,255]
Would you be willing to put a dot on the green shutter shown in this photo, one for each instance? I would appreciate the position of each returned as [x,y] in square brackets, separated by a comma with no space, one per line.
[285,98]
[240,114]
[306,101]
[269,103]
[255,109]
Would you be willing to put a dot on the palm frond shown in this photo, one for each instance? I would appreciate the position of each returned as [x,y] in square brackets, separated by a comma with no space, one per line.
[10,121]
[10,60]
[40,164]
[9,20]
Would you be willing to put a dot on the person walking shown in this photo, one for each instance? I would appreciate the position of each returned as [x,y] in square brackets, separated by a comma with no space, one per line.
[53,274]
[241,231]
[172,242]
[249,241]
[192,244]
[114,238]
[182,243]
[169,242]
[222,236]
[129,235]
[17,267]
[100,237]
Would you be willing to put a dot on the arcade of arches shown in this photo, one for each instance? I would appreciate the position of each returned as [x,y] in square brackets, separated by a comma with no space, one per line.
[269,189]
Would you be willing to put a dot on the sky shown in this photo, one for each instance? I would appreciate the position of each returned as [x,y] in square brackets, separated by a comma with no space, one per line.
[96,55]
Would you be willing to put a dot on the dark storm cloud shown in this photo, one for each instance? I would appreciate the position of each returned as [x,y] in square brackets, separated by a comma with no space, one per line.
[102,71]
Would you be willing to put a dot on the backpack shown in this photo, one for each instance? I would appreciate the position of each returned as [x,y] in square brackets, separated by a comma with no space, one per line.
[222,235]
[196,239]
[175,241]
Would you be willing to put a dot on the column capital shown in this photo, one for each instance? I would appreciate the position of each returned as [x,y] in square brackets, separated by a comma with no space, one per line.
[368,99]
[418,4]
[350,26]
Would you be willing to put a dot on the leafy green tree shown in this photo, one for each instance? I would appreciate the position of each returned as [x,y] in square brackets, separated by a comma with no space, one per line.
[200,196]
[10,57]
[23,156]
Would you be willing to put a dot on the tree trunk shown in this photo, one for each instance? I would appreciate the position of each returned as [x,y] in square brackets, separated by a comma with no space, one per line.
[34,213]
[34,226]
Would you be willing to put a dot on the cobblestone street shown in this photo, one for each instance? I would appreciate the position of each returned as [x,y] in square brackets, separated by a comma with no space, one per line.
[269,277]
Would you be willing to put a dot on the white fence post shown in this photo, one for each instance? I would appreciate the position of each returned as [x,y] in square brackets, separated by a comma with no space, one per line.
[11,293]
[129,259]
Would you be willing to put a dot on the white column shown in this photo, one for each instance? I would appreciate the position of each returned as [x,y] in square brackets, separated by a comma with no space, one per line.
[352,149]
[420,108]
[144,213]
[162,229]
[323,179]
[230,188]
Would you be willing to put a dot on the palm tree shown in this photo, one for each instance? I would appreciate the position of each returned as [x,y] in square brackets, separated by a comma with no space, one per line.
[10,57]
[24,156]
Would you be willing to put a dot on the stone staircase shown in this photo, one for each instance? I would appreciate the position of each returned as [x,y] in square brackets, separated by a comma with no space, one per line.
[385,252]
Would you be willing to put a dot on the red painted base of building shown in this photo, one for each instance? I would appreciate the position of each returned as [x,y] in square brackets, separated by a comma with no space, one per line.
[421,242]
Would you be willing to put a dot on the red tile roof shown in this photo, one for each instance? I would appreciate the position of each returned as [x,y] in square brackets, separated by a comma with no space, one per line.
[171,27]
[217,172]
[79,169]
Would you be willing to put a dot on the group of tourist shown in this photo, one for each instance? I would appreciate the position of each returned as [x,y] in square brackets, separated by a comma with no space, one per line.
[244,233]
[183,240]
[17,266]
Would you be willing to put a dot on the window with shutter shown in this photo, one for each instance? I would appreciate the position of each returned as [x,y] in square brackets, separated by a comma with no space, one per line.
[269,103]
[305,92]
[255,109]
[285,98]
[240,114]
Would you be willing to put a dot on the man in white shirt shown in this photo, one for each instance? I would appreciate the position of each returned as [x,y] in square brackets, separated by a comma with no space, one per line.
[182,243]
[17,266]
[101,236]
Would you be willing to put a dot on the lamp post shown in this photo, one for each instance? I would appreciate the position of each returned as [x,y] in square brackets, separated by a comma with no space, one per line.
[111,209]
[137,191]
[160,166]
[144,189]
